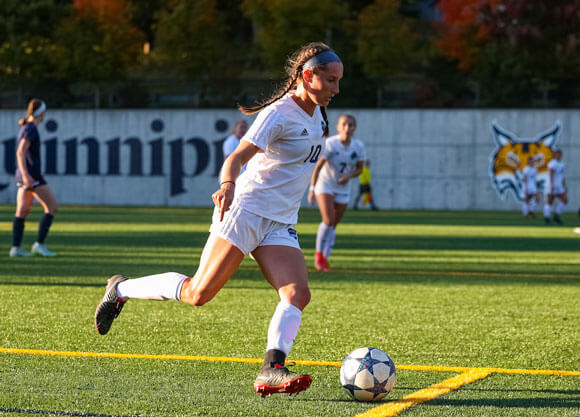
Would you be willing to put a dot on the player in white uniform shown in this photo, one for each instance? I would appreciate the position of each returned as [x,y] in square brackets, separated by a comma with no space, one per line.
[556,188]
[530,175]
[255,213]
[342,160]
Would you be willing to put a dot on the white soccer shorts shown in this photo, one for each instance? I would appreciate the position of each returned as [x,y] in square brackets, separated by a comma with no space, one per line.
[247,231]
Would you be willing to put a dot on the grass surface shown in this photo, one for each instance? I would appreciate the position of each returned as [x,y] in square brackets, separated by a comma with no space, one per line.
[465,289]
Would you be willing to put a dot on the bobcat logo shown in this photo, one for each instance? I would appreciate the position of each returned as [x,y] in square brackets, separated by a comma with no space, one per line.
[511,156]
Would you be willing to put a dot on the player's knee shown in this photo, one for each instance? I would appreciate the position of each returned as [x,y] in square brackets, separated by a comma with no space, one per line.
[195,296]
[297,295]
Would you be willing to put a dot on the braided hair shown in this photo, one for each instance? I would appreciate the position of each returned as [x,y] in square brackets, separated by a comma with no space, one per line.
[294,70]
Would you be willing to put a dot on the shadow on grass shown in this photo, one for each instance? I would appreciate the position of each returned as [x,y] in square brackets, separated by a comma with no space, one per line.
[525,403]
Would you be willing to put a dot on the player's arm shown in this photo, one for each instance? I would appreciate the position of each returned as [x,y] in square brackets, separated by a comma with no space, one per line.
[21,153]
[313,179]
[345,178]
[231,169]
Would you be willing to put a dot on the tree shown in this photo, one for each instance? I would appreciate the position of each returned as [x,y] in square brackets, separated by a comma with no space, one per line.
[512,48]
[283,26]
[191,39]
[387,43]
[98,43]
[25,37]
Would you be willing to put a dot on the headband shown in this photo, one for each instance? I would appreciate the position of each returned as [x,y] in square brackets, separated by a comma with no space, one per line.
[40,109]
[322,58]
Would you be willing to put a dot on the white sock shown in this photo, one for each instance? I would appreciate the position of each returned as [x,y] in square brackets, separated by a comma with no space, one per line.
[532,205]
[547,210]
[160,287]
[525,209]
[322,236]
[284,327]
[327,249]
[560,208]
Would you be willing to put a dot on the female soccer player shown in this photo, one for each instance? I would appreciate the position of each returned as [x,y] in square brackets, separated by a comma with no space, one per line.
[343,159]
[30,182]
[556,188]
[530,174]
[255,213]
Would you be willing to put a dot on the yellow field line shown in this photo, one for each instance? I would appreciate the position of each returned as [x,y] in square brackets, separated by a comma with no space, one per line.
[392,408]
[298,362]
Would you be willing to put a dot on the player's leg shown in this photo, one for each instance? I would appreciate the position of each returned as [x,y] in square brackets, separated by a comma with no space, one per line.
[548,208]
[325,228]
[525,206]
[24,200]
[285,269]
[219,261]
[532,205]
[46,198]
[339,210]
[563,201]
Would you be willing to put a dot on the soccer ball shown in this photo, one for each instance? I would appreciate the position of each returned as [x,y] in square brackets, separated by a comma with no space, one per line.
[367,374]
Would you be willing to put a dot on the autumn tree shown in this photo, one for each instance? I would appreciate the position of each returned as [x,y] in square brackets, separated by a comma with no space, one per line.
[512,48]
[98,43]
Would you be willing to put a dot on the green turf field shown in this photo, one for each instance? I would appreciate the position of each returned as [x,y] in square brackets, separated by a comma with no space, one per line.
[441,292]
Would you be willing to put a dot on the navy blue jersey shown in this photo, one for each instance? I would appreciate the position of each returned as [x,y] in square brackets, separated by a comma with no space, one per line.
[29,132]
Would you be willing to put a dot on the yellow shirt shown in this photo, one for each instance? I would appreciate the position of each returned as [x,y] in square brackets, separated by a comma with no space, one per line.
[365,176]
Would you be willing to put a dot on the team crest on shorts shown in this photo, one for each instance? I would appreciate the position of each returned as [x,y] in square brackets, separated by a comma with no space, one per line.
[511,155]
[292,233]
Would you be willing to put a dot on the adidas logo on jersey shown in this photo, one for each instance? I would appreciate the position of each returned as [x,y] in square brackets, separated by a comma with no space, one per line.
[304,132]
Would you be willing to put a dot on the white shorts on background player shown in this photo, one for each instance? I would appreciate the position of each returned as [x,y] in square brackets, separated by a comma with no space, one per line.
[558,168]
[340,160]
[530,179]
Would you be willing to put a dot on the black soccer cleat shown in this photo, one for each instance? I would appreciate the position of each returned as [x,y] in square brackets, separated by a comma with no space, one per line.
[110,306]
[279,380]
[557,219]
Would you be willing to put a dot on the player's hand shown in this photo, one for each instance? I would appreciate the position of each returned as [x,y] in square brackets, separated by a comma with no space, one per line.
[28,181]
[311,198]
[343,179]
[223,198]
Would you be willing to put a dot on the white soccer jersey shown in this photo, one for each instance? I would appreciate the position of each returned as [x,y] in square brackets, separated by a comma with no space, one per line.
[530,178]
[558,167]
[340,160]
[274,181]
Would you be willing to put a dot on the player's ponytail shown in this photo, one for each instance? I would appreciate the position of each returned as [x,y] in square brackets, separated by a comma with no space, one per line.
[34,106]
[294,68]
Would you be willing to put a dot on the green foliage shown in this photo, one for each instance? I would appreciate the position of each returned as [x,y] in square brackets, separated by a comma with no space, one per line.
[387,43]
[191,39]
[283,26]
[25,36]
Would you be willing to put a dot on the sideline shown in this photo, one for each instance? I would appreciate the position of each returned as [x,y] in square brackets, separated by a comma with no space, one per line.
[427,368]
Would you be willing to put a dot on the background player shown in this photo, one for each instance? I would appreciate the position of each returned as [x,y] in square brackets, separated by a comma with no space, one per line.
[256,213]
[531,197]
[556,188]
[365,193]
[342,160]
[232,141]
[31,183]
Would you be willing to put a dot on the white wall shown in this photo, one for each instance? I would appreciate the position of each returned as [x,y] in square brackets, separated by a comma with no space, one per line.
[421,159]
